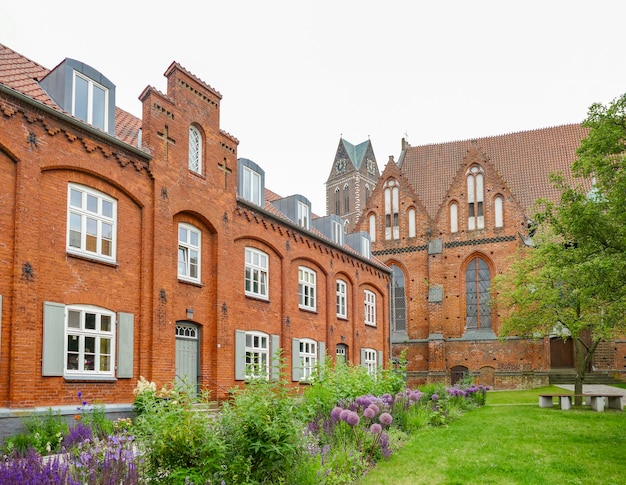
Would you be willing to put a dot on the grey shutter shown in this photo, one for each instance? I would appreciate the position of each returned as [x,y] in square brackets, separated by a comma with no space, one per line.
[125,344]
[363,358]
[321,353]
[240,355]
[379,359]
[296,369]
[275,356]
[53,339]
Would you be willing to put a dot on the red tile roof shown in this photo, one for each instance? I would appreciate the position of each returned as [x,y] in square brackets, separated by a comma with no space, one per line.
[524,160]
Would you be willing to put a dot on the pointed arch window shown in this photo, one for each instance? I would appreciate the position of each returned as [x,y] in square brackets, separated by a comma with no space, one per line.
[454,217]
[346,199]
[398,300]
[392,202]
[477,296]
[195,150]
[337,202]
[367,193]
[372,227]
[475,198]
[498,206]
[411,222]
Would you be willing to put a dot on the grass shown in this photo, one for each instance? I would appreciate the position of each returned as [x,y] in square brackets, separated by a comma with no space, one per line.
[511,442]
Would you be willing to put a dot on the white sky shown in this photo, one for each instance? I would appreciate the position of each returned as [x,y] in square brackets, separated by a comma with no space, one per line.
[296,75]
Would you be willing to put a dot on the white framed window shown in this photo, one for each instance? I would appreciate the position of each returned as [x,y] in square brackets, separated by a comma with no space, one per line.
[189,240]
[304,214]
[308,358]
[475,198]
[370,308]
[337,232]
[454,217]
[89,341]
[392,203]
[91,223]
[90,101]
[195,150]
[367,247]
[411,222]
[369,360]
[257,353]
[256,273]
[342,298]
[498,205]
[372,220]
[252,185]
[306,288]
[342,353]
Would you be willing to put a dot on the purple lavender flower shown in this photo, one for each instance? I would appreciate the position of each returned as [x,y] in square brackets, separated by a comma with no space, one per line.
[385,418]
[376,428]
[353,419]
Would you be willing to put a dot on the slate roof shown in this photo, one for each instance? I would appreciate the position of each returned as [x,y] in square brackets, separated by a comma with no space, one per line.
[22,75]
[524,160]
[356,153]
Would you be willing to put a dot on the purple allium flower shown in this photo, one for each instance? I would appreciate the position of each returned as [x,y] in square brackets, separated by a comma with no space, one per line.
[376,428]
[385,418]
[369,412]
[353,419]
[334,414]
[375,408]
[435,397]
[343,415]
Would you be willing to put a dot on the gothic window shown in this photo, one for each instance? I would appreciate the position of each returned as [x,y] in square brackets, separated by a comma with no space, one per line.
[475,198]
[398,300]
[411,222]
[372,227]
[392,202]
[346,199]
[498,204]
[454,217]
[477,285]
[195,150]
[337,202]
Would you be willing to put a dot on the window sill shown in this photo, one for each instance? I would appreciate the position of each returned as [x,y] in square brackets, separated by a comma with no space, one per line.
[342,318]
[191,282]
[87,378]
[308,310]
[373,325]
[257,297]
[92,259]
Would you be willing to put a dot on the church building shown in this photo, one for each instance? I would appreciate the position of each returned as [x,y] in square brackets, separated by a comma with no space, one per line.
[447,218]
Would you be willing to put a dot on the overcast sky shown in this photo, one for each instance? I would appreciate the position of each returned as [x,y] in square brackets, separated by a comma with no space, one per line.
[296,75]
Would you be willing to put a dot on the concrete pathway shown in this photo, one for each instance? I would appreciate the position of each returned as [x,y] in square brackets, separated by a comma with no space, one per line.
[597,389]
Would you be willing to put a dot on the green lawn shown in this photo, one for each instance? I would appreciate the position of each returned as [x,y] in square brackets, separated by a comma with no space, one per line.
[513,441]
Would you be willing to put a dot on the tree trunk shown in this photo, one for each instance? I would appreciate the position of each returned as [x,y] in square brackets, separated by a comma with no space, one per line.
[581,370]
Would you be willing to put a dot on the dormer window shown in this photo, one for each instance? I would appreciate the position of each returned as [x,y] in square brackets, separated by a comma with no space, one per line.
[90,101]
[337,232]
[304,214]
[251,182]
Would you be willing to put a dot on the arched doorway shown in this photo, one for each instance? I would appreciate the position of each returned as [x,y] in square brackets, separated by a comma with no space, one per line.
[187,355]
[561,353]
[458,373]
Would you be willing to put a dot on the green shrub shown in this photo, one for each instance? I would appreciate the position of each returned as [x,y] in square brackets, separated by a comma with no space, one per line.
[43,432]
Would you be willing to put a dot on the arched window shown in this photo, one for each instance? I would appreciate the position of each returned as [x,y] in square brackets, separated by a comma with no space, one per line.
[398,300]
[392,202]
[498,204]
[346,199]
[454,217]
[195,150]
[477,285]
[411,222]
[475,198]
[367,193]
[372,227]
[337,202]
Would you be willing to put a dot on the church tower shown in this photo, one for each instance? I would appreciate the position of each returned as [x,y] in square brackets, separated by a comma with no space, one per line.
[352,179]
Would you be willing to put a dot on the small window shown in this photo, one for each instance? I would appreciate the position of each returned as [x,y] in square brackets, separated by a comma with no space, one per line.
[411,222]
[257,355]
[304,214]
[342,296]
[256,273]
[308,358]
[369,361]
[337,232]
[252,185]
[189,239]
[90,101]
[89,341]
[372,227]
[370,308]
[306,288]
[454,217]
[91,223]
[498,204]
[342,353]
[366,244]
[195,150]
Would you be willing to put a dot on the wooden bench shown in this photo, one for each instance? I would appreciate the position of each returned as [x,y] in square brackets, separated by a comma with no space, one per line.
[596,401]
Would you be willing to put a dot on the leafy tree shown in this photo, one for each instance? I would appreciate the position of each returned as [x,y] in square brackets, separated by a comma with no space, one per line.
[573,282]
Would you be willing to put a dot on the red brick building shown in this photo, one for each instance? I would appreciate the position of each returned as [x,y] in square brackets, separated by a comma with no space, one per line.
[144,247]
[446,218]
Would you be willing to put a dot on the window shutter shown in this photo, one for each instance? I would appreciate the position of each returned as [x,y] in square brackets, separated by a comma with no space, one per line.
[275,356]
[125,344]
[53,339]
[321,353]
[379,358]
[240,355]
[296,370]
[363,358]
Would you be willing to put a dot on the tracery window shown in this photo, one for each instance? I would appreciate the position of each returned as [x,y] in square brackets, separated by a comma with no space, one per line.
[477,296]
[475,198]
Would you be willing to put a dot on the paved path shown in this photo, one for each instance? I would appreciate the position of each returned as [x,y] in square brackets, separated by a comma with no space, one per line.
[597,389]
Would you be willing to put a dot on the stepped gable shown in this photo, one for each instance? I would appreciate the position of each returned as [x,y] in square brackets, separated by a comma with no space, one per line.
[524,160]
[23,75]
